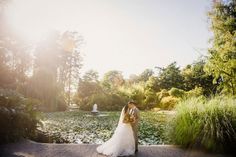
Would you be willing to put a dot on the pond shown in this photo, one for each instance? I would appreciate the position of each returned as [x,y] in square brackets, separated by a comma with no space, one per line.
[80,127]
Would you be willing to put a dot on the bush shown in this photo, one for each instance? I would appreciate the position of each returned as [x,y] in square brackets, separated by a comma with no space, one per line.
[150,99]
[105,102]
[168,102]
[197,91]
[99,98]
[137,94]
[17,116]
[205,124]
[175,92]
[163,93]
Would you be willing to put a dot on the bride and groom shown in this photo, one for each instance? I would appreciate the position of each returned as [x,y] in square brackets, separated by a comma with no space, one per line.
[124,141]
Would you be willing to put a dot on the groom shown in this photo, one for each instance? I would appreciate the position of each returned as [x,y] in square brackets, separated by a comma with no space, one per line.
[133,111]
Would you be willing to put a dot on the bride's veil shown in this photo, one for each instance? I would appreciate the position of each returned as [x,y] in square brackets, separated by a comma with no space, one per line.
[121,116]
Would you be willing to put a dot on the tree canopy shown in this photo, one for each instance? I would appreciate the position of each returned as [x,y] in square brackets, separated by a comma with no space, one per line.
[222,55]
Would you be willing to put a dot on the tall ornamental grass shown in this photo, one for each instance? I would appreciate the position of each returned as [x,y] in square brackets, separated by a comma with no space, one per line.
[206,124]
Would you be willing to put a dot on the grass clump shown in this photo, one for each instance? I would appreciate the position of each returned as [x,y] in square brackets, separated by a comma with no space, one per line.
[208,124]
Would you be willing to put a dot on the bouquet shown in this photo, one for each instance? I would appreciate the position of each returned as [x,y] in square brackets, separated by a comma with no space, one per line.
[128,118]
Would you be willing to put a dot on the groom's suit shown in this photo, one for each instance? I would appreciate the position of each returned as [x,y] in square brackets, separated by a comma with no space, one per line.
[135,113]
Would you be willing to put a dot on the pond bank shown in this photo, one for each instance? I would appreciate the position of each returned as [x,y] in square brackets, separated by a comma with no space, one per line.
[27,148]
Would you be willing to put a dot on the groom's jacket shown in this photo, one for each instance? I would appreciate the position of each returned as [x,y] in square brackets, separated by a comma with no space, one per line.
[135,113]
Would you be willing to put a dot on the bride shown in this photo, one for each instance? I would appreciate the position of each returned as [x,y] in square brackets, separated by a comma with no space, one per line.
[122,141]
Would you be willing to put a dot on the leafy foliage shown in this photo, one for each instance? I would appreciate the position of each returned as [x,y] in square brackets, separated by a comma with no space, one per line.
[145,75]
[222,60]
[170,77]
[17,116]
[105,94]
[195,76]
[196,92]
[168,102]
[175,92]
[82,127]
[112,80]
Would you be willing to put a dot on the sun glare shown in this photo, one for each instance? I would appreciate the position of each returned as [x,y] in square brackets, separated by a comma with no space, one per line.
[117,32]
[29,21]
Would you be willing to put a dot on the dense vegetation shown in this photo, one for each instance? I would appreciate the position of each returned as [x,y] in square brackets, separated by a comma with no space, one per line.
[149,90]
[222,60]
[82,127]
[17,116]
[208,124]
[211,124]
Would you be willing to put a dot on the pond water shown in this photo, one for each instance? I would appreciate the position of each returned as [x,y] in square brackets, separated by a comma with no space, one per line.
[97,115]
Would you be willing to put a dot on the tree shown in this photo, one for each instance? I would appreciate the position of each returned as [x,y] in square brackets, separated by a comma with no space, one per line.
[70,61]
[144,76]
[6,79]
[195,76]
[112,80]
[222,55]
[133,78]
[91,76]
[170,77]
[152,84]
[14,55]
[56,69]
[43,83]
[150,89]
[88,86]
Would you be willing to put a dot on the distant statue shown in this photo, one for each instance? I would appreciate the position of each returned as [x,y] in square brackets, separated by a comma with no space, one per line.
[95,111]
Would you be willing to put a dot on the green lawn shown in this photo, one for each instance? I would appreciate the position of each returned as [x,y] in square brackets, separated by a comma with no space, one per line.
[82,127]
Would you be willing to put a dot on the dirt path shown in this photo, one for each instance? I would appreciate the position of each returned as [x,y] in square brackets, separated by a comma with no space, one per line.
[28,148]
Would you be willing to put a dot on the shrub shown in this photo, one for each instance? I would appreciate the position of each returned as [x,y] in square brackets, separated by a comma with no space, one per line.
[168,102]
[17,116]
[100,98]
[205,124]
[134,92]
[163,93]
[197,91]
[175,92]
[150,99]
[137,94]
[105,102]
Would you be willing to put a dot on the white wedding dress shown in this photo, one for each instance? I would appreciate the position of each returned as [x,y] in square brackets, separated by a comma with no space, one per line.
[122,141]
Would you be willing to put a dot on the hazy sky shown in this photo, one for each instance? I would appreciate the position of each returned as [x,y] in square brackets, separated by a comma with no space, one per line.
[126,35]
